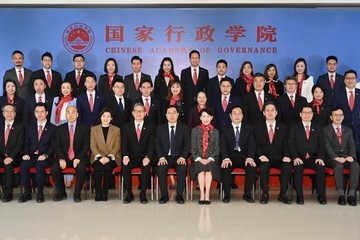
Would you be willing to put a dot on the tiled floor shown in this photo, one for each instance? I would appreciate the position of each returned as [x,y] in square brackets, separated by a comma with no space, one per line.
[237,220]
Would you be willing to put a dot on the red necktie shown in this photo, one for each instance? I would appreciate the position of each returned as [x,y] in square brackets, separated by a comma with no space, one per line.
[137,82]
[307,130]
[48,78]
[339,135]
[138,132]
[194,77]
[292,101]
[40,99]
[271,133]
[260,102]
[332,81]
[71,153]
[224,103]
[351,101]
[40,131]
[91,102]
[78,77]
[21,78]
[147,106]
[7,132]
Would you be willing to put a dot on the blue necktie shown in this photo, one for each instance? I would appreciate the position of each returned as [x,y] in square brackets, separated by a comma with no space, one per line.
[121,106]
[237,139]
[172,141]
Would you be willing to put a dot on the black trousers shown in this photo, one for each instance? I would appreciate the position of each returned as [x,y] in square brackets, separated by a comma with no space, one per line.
[40,167]
[144,178]
[100,170]
[250,175]
[56,173]
[320,177]
[162,176]
[9,175]
[285,176]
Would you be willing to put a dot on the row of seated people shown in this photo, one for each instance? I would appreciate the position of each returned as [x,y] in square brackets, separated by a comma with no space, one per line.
[214,155]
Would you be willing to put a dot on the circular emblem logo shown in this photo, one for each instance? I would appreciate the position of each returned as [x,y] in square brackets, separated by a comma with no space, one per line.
[78,38]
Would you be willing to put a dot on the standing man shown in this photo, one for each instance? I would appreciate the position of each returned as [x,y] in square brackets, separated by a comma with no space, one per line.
[38,152]
[11,145]
[72,143]
[137,151]
[53,78]
[19,74]
[341,152]
[133,80]
[77,77]
[193,79]
[172,145]
[307,150]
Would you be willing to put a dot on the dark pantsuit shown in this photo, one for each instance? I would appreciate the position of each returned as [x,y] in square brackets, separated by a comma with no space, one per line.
[144,178]
[285,176]
[9,175]
[320,177]
[162,175]
[99,171]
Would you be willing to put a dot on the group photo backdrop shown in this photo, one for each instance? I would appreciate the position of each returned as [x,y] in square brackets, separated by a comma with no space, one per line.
[259,35]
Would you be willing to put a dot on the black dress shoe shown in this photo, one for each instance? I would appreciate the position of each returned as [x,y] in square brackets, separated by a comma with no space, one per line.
[128,199]
[248,199]
[143,200]
[179,199]
[97,197]
[322,200]
[300,200]
[77,199]
[207,202]
[163,200]
[25,197]
[201,202]
[341,200]
[104,197]
[283,198]
[226,199]
[40,198]
[351,200]
[264,198]
[7,198]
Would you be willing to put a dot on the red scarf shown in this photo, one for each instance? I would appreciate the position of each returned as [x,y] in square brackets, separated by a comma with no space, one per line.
[272,89]
[248,79]
[10,100]
[110,78]
[200,108]
[299,89]
[63,100]
[317,103]
[174,99]
[205,137]
[169,75]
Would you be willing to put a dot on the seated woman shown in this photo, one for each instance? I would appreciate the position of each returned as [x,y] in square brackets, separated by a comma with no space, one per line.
[205,155]
[105,153]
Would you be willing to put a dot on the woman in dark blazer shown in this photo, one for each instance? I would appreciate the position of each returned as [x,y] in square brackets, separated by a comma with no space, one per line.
[106,80]
[10,96]
[272,83]
[322,110]
[193,119]
[244,83]
[205,155]
[105,153]
[165,75]
[174,98]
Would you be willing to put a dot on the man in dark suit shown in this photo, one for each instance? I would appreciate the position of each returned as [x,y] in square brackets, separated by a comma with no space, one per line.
[271,149]
[38,152]
[331,81]
[72,142]
[90,104]
[193,79]
[19,74]
[133,80]
[237,147]
[341,153]
[224,103]
[120,105]
[11,145]
[152,106]
[307,150]
[77,76]
[53,78]
[290,104]
[213,86]
[38,96]
[137,151]
[172,145]
[254,101]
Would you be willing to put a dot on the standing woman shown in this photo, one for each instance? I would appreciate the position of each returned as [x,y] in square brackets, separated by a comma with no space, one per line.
[193,119]
[244,83]
[105,153]
[10,96]
[322,110]
[272,83]
[305,82]
[174,98]
[205,155]
[165,75]
[105,80]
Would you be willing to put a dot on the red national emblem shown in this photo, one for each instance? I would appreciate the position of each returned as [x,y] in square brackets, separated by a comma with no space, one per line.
[78,38]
